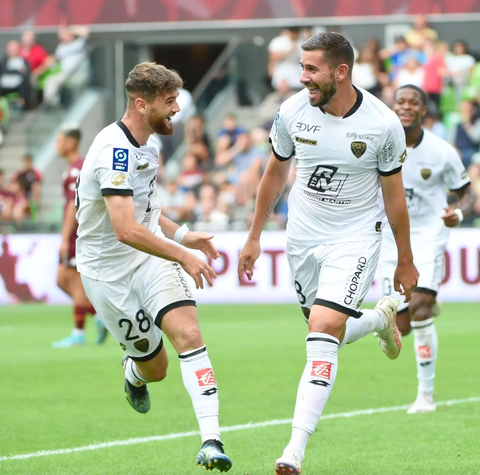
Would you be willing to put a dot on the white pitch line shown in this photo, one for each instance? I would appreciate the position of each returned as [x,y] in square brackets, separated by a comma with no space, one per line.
[250,425]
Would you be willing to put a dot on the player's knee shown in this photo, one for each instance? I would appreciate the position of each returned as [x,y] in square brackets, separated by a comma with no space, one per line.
[403,323]
[158,374]
[422,311]
[188,339]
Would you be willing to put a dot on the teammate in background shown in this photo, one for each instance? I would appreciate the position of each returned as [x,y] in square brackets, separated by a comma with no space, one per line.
[68,278]
[346,143]
[433,165]
[133,273]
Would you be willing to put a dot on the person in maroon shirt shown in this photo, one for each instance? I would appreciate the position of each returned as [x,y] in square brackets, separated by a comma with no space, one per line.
[68,278]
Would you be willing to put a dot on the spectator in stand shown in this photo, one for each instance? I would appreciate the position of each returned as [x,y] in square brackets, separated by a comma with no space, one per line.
[191,175]
[467,133]
[70,54]
[459,65]
[19,204]
[396,56]
[35,54]
[6,200]
[15,74]
[208,217]
[228,137]
[411,73]
[270,105]
[366,73]
[284,56]
[29,179]
[435,69]
[177,204]
[420,32]
[433,122]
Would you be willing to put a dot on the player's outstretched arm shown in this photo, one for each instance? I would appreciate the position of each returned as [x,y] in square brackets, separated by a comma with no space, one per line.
[122,216]
[406,274]
[269,192]
[466,200]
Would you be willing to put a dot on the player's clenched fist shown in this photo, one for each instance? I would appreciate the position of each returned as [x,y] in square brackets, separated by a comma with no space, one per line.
[248,255]
[198,268]
[405,279]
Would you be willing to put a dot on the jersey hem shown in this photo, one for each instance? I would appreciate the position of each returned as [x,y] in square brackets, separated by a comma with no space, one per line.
[278,156]
[114,191]
[151,355]
[390,172]
[339,308]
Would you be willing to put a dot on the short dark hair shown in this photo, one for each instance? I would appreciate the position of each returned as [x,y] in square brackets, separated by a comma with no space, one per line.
[421,92]
[337,49]
[73,133]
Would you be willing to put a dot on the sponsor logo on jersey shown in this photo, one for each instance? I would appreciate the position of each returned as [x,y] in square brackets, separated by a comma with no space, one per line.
[120,159]
[403,157]
[205,377]
[321,369]
[355,281]
[387,154]
[354,136]
[178,269]
[358,148]
[303,127]
[119,179]
[424,352]
[143,167]
[464,174]
[306,141]
[327,187]
[426,173]
[378,227]
[142,345]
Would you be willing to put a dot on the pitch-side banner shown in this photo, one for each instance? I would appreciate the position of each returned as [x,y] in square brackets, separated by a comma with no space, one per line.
[28,265]
[28,13]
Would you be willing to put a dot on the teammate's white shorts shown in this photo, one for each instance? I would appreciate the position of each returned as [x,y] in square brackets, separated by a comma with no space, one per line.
[337,276]
[428,258]
[132,308]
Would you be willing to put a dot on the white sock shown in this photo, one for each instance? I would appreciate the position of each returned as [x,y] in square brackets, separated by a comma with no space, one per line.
[426,349]
[314,389]
[78,332]
[133,374]
[199,381]
[356,328]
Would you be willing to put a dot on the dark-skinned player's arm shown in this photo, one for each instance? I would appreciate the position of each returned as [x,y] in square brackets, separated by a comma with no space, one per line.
[406,274]
[269,192]
[462,208]
[68,228]
[128,231]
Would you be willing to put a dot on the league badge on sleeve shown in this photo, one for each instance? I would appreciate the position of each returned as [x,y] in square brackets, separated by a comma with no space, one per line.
[120,159]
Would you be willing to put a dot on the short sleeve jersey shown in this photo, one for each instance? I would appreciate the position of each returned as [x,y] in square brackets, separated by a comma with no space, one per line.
[432,168]
[115,165]
[335,196]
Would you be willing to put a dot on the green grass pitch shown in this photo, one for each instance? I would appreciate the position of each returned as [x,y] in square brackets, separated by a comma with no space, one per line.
[62,399]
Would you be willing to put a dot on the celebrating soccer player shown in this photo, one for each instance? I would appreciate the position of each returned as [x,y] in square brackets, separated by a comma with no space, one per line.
[346,143]
[433,166]
[133,273]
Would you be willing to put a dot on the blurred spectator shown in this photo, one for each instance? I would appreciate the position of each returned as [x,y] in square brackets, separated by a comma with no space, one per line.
[191,175]
[420,32]
[410,73]
[208,216]
[435,69]
[270,105]
[15,74]
[35,54]
[459,65]
[19,205]
[432,121]
[366,73]
[6,200]
[227,138]
[396,56]
[70,55]
[284,55]
[176,204]
[467,133]
[29,180]
[195,131]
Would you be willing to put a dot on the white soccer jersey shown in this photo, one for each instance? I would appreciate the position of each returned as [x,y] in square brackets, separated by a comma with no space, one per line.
[115,165]
[335,196]
[432,168]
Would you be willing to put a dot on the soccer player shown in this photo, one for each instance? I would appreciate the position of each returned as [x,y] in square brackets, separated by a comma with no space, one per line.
[346,144]
[68,278]
[433,166]
[132,271]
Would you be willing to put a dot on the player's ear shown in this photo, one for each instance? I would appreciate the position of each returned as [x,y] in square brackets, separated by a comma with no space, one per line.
[341,72]
[140,105]
[424,110]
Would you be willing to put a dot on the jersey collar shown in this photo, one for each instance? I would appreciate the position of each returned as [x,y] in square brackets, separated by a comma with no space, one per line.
[355,106]
[420,138]
[127,132]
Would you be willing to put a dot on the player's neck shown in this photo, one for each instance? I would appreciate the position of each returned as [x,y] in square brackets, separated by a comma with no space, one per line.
[72,156]
[413,136]
[136,127]
[343,101]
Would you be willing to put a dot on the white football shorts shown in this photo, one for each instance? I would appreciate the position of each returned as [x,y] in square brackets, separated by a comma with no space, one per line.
[337,276]
[132,308]
[428,258]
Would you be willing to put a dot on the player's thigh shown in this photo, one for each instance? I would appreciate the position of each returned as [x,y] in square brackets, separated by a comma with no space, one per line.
[304,267]
[168,296]
[122,309]
[346,275]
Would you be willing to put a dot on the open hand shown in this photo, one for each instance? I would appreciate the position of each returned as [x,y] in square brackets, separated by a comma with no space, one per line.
[201,241]
[248,255]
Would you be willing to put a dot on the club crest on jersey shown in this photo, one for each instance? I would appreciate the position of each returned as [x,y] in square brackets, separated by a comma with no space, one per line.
[119,179]
[321,369]
[120,159]
[205,377]
[358,148]
[426,173]
[142,345]
[306,141]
